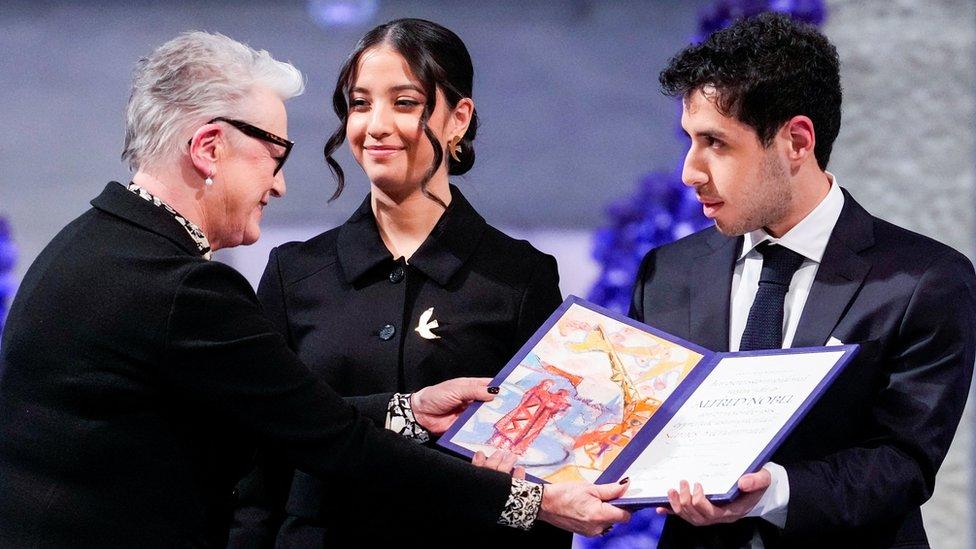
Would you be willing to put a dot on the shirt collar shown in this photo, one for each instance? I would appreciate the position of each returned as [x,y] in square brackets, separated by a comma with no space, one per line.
[200,239]
[452,240]
[810,236]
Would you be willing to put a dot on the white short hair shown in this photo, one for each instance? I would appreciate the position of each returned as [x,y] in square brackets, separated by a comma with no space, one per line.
[189,80]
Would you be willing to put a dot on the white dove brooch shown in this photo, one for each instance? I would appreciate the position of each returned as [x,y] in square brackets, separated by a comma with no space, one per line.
[425,325]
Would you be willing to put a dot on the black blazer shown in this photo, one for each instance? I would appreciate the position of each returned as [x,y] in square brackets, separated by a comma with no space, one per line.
[132,371]
[332,297]
[865,457]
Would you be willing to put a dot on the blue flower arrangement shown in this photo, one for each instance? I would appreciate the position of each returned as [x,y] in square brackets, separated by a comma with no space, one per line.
[8,258]
[724,12]
[662,210]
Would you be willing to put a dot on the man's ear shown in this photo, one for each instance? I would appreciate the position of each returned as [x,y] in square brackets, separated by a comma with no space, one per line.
[801,140]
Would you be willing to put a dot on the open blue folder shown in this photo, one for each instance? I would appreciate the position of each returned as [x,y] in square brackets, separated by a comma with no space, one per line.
[596,396]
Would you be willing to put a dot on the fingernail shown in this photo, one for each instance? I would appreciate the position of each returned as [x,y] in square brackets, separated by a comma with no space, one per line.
[493,390]
[624,480]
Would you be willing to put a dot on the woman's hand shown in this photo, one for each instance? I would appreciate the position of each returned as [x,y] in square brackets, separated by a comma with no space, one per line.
[582,507]
[499,460]
[437,407]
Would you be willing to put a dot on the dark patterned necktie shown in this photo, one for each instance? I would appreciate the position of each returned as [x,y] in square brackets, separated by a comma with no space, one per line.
[764,328]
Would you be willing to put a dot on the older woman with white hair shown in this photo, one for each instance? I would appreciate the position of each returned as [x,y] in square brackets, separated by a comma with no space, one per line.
[135,373]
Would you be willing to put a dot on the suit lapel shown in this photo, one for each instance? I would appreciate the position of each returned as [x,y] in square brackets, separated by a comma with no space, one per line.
[711,292]
[839,277]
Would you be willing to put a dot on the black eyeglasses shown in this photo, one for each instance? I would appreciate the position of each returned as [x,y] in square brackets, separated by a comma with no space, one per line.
[258,133]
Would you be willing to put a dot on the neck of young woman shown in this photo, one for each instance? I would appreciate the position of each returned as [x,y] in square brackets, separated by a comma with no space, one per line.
[405,220]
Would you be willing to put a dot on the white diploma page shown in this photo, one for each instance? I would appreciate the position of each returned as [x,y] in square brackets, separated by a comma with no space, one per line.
[728,422]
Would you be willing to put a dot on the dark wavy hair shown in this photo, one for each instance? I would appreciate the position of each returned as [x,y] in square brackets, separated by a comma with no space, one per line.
[765,70]
[439,59]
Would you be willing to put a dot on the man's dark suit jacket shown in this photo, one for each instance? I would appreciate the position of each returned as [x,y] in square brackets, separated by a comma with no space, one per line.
[865,457]
[132,371]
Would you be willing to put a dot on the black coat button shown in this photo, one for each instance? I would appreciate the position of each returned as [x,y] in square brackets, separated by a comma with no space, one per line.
[386,332]
[396,275]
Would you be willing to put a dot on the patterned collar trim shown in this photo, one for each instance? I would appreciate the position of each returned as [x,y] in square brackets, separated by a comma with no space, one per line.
[194,231]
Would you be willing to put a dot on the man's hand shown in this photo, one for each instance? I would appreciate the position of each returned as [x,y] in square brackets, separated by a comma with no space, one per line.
[694,508]
[580,506]
[436,407]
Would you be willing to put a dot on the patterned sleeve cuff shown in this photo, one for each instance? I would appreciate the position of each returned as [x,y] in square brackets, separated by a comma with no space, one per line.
[523,505]
[400,419]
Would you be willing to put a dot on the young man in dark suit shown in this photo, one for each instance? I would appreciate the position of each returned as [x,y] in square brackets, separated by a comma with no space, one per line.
[793,261]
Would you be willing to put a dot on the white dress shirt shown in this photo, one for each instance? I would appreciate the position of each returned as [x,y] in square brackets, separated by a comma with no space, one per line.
[808,238]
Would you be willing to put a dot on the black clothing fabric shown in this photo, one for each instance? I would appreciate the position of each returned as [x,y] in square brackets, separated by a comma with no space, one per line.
[349,309]
[863,460]
[133,377]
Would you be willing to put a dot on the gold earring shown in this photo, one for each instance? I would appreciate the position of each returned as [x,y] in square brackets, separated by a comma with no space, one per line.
[454,147]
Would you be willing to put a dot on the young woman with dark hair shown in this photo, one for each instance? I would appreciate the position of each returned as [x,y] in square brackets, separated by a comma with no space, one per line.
[415,288]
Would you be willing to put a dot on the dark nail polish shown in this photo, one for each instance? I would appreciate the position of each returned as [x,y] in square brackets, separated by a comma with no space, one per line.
[493,390]
[624,480]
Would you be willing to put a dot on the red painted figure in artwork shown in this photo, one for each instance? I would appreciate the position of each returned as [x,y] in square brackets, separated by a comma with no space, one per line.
[517,429]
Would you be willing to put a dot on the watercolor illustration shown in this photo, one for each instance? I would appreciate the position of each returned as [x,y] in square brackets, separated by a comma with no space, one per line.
[578,396]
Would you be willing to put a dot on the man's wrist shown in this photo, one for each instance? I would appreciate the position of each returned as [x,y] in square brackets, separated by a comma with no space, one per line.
[774,503]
